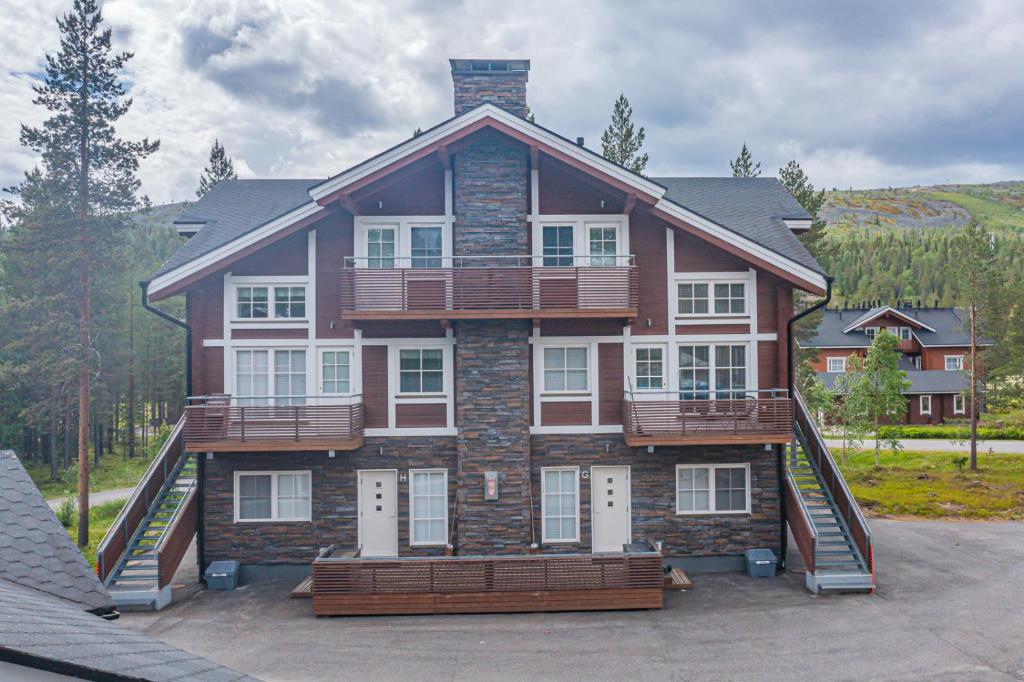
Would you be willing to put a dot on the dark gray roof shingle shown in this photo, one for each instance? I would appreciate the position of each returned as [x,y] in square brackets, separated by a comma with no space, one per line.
[233,208]
[49,633]
[948,323]
[35,550]
[921,381]
[754,208]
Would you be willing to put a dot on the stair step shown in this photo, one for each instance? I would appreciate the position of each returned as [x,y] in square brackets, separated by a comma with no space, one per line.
[835,552]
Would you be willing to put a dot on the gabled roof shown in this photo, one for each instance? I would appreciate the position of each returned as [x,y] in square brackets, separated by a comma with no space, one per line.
[35,550]
[938,327]
[44,632]
[228,229]
[879,311]
[922,381]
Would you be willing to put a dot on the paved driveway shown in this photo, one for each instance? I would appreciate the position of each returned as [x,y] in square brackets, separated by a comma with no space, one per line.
[950,606]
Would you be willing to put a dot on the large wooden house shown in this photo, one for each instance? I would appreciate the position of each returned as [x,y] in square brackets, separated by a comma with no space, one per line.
[489,339]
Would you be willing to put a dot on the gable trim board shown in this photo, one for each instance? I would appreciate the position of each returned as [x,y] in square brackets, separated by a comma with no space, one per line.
[886,310]
[436,139]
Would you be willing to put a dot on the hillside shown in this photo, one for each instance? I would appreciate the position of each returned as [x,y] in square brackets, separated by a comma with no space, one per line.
[896,243]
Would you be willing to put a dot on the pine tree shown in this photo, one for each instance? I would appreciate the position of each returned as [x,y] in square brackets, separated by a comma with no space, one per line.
[744,166]
[94,170]
[799,185]
[620,142]
[220,168]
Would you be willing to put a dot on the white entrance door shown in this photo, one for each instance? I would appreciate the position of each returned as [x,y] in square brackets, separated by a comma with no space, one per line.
[378,513]
[610,508]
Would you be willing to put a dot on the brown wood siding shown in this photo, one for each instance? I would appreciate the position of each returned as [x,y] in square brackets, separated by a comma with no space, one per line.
[565,190]
[290,256]
[204,310]
[935,358]
[609,380]
[375,386]
[421,416]
[647,241]
[576,413]
[392,329]
[269,333]
[784,311]
[691,329]
[333,244]
[768,293]
[418,190]
[581,327]
[821,362]
[768,365]
[695,255]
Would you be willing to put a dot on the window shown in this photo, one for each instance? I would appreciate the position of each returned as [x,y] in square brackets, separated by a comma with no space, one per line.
[428,507]
[650,369]
[272,496]
[603,246]
[837,364]
[701,367]
[560,504]
[558,245]
[336,370]
[954,363]
[694,372]
[730,371]
[252,303]
[712,489]
[959,404]
[693,299]
[926,404]
[426,247]
[871,332]
[290,377]
[380,247]
[565,369]
[917,362]
[904,333]
[420,370]
[252,377]
[730,299]
[289,302]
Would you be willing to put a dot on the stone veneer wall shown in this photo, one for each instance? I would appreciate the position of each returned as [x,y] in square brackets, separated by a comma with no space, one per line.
[507,89]
[653,491]
[334,503]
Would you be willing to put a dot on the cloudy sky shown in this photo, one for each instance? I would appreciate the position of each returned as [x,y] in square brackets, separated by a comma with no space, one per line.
[863,94]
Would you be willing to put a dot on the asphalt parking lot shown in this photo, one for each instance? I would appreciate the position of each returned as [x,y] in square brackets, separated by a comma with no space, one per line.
[949,606]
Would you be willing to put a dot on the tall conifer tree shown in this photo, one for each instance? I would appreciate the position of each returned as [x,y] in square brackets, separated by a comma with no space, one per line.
[621,143]
[219,168]
[744,166]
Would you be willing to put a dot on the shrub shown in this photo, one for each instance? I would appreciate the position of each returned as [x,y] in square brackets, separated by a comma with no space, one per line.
[951,432]
[66,512]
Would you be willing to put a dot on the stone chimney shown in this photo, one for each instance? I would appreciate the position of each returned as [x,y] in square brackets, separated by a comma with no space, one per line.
[499,81]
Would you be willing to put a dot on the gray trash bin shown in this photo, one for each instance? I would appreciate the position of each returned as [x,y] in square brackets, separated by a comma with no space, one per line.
[222,575]
[760,563]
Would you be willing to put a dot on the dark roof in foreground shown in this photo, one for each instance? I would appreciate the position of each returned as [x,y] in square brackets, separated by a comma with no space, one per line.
[233,208]
[41,631]
[35,550]
[921,381]
[754,208]
[949,324]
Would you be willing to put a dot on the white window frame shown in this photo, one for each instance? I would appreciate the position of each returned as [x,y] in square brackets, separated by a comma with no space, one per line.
[664,368]
[581,225]
[351,370]
[403,226]
[962,400]
[748,279]
[543,369]
[412,519]
[543,505]
[833,361]
[958,362]
[270,285]
[274,517]
[905,334]
[922,401]
[712,390]
[271,387]
[871,332]
[712,511]
[397,357]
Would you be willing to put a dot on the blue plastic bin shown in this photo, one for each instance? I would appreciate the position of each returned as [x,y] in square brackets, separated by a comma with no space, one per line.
[222,575]
[760,563]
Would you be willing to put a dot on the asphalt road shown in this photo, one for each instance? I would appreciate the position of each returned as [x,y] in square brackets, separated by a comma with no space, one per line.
[96,498]
[948,607]
[1010,447]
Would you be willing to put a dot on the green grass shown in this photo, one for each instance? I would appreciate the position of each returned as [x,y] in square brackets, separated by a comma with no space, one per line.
[929,485]
[990,213]
[100,518]
[114,472]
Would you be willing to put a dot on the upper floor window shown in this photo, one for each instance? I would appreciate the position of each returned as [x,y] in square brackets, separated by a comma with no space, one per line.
[722,367]
[954,363]
[255,382]
[707,298]
[904,333]
[336,372]
[425,246]
[650,369]
[871,332]
[604,244]
[558,245]
[253,303]
[381,245]
[420,370]
[289,377]
[565,369]
[837,364]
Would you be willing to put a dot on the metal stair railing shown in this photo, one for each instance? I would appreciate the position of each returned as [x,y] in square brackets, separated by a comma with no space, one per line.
[804,532]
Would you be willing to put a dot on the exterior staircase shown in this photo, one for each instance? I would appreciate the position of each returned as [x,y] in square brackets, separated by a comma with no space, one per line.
[142,550]
[831,533]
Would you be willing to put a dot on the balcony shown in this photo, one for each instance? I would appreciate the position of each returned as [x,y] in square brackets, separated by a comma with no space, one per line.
[480,287]
[221,423]
[712,418]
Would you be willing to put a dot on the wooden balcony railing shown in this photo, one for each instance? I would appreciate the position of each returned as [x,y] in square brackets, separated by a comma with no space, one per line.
[660,418]
[221,423]
[489,287]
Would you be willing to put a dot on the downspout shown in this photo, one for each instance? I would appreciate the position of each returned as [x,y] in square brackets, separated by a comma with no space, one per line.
[200,461]
[790,373]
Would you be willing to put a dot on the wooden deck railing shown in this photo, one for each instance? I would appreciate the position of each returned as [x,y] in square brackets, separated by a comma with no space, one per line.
[482,584]
[846,504]
[658,418]
[500,287]
[114,543]
[222,423]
